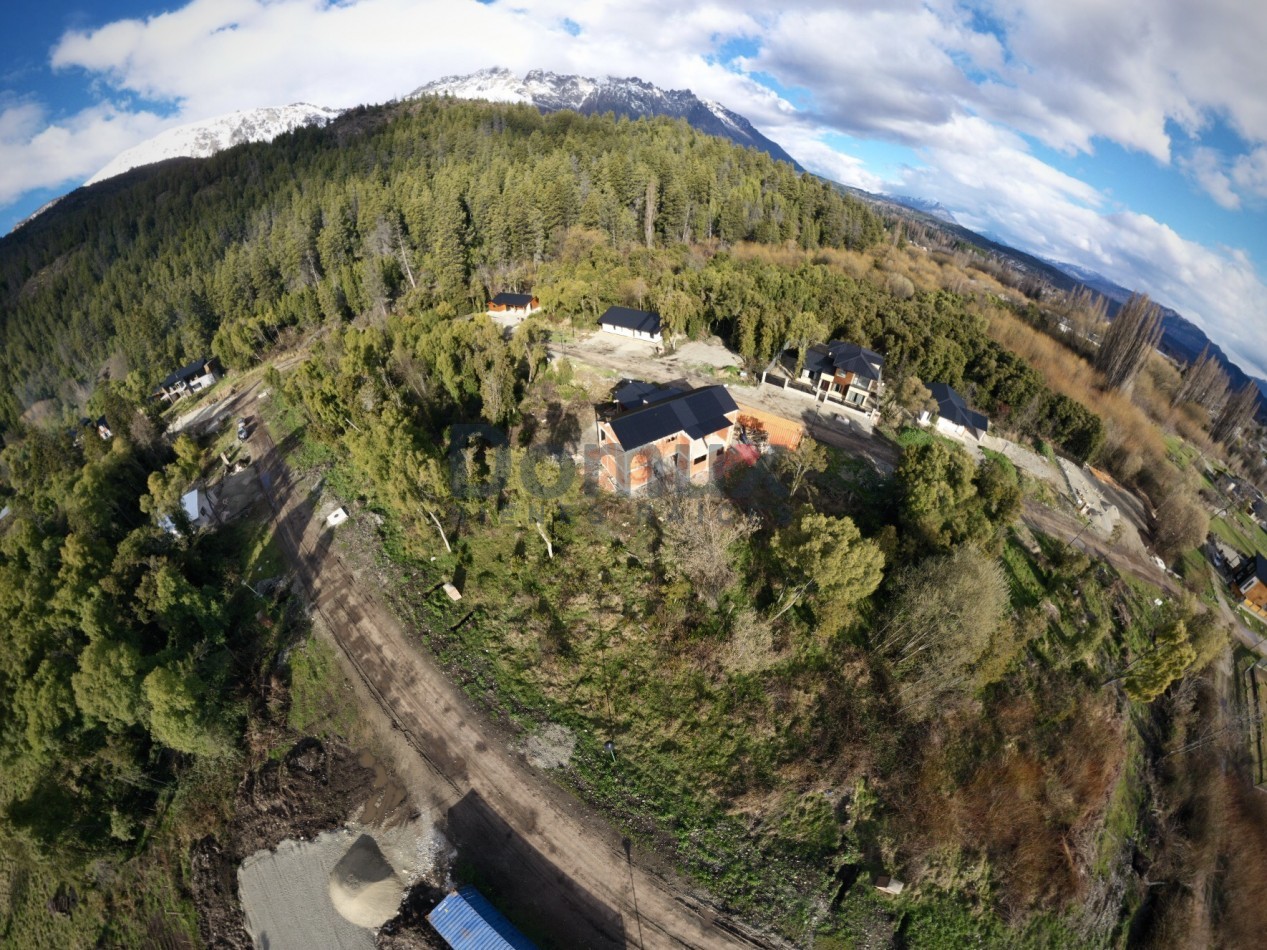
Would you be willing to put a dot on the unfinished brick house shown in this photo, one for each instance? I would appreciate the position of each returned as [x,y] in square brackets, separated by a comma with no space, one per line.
[663,435]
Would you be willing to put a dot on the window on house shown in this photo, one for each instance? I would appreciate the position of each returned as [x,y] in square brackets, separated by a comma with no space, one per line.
[699,459]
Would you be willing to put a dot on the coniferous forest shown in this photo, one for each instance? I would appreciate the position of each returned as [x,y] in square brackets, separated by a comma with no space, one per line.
[993,712]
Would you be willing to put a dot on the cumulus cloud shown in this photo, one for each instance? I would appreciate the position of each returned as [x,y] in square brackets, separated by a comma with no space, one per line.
[1249,173]
[1009,193]
[38,153]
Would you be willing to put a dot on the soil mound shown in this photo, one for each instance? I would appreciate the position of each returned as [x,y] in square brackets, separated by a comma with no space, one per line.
[364,887]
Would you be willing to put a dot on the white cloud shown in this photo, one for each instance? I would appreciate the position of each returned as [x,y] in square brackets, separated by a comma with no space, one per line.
[1206,168]
[36,153]
[1004,190]
[1249,173]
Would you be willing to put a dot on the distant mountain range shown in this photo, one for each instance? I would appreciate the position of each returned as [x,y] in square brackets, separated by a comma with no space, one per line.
[926,205]
[629,97]
[1181,339]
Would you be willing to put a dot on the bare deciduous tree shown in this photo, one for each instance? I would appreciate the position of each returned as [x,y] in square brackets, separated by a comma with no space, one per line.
[1128,341]
[946,632]
[810,455]
[1204,383]
[1181,523]
[1238,411]
[700,530]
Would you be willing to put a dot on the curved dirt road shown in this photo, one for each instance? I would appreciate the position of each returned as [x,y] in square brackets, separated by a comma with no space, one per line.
[552,861]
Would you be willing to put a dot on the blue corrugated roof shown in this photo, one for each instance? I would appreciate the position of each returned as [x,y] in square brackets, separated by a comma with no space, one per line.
[467,921]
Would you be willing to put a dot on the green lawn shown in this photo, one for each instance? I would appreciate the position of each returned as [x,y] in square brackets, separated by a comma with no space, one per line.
[322,701]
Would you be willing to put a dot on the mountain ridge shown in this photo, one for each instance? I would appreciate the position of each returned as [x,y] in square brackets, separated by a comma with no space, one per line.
[205,137]
[628,96]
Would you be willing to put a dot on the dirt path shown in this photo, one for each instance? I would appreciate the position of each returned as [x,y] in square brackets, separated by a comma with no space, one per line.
[552,861]
[1066,528]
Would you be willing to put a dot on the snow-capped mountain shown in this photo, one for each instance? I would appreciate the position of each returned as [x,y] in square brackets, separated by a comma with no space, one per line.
[630,97]
[205,138]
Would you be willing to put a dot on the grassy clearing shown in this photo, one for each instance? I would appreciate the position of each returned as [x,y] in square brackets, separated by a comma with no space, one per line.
[1181,452]
[1194,570]
[910,436]
[1241,531]
[1121,821]
[322,701]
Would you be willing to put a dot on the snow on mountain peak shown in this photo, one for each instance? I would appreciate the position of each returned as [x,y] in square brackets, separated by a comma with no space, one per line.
[205,138]
[628,96]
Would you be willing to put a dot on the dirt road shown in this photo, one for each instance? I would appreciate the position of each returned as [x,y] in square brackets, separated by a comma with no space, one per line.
[552,862]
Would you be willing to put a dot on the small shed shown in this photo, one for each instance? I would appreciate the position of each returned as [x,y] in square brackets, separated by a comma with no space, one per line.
[197,508]
[467,921]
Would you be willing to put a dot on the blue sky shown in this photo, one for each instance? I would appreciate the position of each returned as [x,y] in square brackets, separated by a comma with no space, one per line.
[1130,138]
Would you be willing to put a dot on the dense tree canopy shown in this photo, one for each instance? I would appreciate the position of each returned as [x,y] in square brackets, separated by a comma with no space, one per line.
[116,639]
[419,204]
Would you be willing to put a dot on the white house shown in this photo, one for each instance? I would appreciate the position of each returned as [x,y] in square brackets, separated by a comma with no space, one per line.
[953,415]
[197,507]
[639,324]
[197,376]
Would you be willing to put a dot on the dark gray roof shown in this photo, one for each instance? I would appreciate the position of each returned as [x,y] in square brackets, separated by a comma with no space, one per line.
[841,357]
[185,372]
[697,413]
[513,300]
[951,406]
[634,393]
[641,320]
[1255,566]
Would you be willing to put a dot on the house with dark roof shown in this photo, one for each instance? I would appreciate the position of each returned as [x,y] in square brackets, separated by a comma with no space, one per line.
[639,324]
[846,372]
[635,393]
[516,304]
[676,437]
[198,375]
[953,416]
[1250,585]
